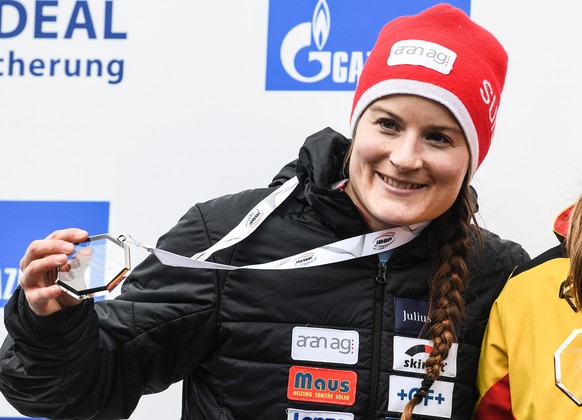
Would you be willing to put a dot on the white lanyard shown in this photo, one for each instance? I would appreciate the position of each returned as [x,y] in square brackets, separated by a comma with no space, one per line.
[346,249]
[252,220]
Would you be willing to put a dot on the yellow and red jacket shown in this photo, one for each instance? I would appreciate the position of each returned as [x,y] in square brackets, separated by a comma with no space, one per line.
[528,322]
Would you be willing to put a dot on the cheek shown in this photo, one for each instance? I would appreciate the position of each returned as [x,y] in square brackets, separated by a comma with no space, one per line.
[361,164]
[454,178]
[454,168]
[366,151]
[453,181]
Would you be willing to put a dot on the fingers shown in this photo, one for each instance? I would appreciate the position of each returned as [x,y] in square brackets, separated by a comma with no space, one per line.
[46,254]
[58,242]
[38,271]
[39,266]
[70,235]
[40,296]
[44,301]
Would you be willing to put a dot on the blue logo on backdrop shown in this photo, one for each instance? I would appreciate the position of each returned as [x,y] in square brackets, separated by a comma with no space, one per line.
[49,20]
[322,45]
[24,221]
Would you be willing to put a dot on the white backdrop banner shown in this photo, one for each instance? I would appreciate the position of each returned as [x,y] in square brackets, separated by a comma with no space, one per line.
[119,115]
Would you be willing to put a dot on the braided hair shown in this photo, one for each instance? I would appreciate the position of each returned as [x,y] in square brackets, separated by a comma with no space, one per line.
[450,240]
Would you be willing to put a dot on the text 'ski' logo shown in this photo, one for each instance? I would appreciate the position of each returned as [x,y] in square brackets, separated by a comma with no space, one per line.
[301,36]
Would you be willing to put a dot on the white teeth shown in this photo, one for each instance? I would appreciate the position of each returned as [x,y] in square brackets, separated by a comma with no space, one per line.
[397,184]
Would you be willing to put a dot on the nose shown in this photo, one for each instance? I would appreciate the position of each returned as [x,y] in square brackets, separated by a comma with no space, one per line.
[406,152]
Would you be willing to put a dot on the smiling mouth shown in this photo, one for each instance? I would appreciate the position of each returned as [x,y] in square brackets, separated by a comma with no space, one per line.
[402,185]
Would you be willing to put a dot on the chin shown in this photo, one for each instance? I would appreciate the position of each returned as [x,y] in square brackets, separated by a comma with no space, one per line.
[398,220]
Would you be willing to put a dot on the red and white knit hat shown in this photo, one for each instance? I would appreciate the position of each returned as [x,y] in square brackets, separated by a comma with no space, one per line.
[442,55]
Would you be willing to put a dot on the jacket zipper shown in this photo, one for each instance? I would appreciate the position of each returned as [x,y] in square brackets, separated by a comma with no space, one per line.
[377,336]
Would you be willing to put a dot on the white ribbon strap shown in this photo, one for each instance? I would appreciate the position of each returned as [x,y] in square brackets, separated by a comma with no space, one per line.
[252,220]
[346,249]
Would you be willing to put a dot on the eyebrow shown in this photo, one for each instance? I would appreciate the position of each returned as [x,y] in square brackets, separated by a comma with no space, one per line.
[455,128]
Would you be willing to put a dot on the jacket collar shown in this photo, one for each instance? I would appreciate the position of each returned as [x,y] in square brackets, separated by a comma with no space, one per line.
[319,166]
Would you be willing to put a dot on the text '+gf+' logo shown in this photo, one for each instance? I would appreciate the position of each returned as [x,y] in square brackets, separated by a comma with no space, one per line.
[430,396]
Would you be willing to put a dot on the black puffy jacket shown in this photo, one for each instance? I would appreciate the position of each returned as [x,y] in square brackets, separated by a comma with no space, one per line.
[321,342]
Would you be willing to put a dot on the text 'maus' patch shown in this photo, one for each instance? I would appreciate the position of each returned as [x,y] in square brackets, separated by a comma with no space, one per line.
[325,386]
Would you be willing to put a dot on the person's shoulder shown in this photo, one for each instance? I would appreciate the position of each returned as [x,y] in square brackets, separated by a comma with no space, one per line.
[538,279]
[236,202]
[505,250]
[223,212]
[545,257]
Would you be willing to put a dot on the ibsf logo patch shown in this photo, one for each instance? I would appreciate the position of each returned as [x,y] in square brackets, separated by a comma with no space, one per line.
[323,45]
[254,217]
[326,386]
[383,241]
[304,259]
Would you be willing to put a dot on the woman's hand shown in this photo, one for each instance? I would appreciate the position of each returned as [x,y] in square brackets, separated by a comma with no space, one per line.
[40,264]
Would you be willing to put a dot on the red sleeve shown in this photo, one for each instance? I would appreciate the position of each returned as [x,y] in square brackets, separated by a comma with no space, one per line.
[496,403]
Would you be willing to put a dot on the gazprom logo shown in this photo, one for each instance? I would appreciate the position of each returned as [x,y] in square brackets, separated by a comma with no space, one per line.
[300,37]
[323,44]
[307,60]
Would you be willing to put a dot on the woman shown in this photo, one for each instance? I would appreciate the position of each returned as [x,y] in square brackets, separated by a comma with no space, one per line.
[369,336]
[532,334]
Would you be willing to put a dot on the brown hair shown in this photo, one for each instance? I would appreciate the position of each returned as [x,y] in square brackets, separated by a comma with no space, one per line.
[450,240]
[574,251]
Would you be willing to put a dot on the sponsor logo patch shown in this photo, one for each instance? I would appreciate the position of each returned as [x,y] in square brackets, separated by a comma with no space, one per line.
[410,355]
[325,345]
[325,386]
[422,53]
[410,315]
[438,402]
[384,240]
[253,218]
[293,414]
[305,259]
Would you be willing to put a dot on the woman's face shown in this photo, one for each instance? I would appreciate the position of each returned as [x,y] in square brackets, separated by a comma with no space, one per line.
[408,162]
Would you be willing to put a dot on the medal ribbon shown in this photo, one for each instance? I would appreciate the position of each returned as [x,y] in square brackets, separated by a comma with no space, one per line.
[343,250]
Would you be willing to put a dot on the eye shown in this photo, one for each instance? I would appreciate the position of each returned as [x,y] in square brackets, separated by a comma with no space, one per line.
[438,138]
[387,124]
